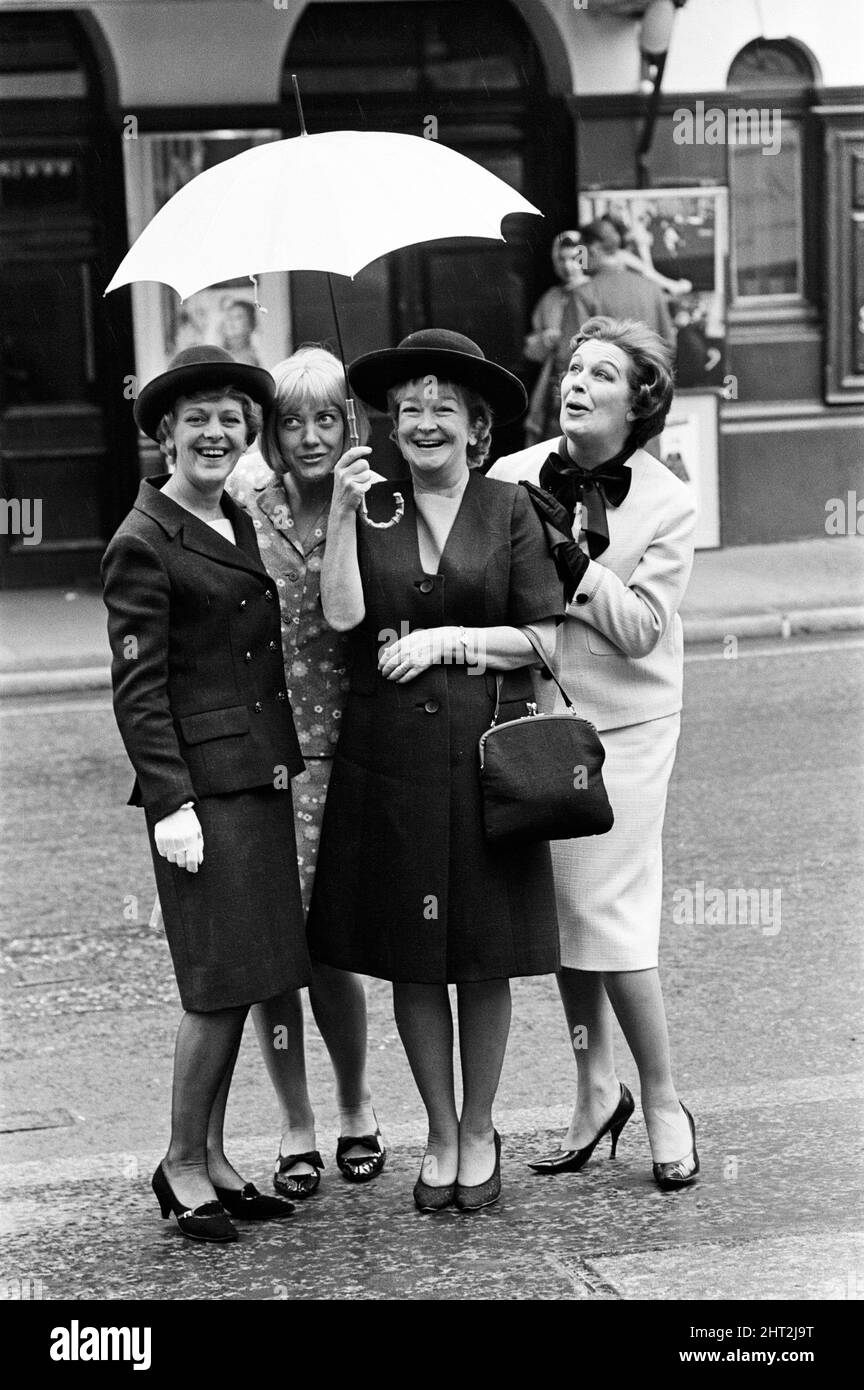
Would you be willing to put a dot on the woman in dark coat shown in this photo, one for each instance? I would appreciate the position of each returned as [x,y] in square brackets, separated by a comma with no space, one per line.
[407,888]
[200,700]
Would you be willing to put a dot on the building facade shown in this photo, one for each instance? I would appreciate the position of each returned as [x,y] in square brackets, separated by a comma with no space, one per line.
[107,106]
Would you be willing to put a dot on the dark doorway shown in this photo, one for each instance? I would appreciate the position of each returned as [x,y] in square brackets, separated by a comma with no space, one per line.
[475,71]
[61,398]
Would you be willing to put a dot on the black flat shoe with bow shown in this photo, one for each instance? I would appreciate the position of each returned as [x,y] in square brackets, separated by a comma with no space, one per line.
[249,1204]
[297,1185]
[571,1160]
[358,1168]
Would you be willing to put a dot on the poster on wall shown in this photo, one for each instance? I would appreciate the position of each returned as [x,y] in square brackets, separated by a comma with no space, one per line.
[226,314]
[689,448]
[683,235]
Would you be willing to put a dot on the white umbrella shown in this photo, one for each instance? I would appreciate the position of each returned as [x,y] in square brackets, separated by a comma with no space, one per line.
[331,202]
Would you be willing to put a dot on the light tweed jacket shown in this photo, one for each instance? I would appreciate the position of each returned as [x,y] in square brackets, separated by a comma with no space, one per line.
[620,651]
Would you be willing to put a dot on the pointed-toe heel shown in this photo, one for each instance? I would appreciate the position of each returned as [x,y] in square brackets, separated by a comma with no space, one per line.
[297,1185]
[481,1194]
[248,1204]
[208,1222]
[670,1177]
[571,1160]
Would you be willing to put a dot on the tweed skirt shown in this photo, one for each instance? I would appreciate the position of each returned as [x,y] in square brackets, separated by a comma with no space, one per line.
[236,929]
[609,888]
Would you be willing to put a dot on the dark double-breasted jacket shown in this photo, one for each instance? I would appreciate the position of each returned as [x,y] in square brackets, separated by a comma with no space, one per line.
[197,669]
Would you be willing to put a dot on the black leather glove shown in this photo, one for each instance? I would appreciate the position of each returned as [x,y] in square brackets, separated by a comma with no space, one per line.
[571,561]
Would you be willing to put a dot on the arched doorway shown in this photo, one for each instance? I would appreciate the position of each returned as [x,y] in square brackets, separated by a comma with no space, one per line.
[65,446]
[472,76]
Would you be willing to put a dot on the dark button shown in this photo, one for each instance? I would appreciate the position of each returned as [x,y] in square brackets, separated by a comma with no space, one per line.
[274,646]
[247,656]
[581,598]
[282,695]
[242,604]
[432,706]
[258,707]
[292,575]
[426,586]
[268,594]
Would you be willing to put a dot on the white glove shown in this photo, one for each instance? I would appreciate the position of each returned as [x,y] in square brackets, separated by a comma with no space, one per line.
[180,839]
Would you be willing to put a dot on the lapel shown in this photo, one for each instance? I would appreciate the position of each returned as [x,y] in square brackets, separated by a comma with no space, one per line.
[196,534]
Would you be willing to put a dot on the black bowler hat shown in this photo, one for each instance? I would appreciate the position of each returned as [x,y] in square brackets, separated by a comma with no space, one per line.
[440,353]
[200,368]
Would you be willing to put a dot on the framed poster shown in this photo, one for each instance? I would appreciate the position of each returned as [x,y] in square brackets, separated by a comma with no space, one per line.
[252,324]
[683,233]
[689,447]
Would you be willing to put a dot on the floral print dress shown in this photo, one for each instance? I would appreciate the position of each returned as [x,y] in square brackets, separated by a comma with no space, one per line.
[315,656]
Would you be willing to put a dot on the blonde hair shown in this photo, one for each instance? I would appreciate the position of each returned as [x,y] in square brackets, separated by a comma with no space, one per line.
[310,378]
[252,414]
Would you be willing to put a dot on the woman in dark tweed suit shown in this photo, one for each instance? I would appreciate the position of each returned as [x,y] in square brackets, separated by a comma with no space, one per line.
[200,700]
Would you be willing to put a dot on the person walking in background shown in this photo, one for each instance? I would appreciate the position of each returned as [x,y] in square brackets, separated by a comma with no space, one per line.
[186,592]
[622,528]
[614,291]
[287,490]
[541,344]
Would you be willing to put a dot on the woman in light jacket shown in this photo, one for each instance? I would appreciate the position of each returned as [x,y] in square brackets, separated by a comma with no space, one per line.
[621,526]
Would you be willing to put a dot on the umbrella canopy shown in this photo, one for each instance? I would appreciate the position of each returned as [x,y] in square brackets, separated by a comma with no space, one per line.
[331,202]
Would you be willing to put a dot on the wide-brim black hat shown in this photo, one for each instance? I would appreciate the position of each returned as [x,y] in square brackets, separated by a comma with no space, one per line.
[440,353]
[200,368]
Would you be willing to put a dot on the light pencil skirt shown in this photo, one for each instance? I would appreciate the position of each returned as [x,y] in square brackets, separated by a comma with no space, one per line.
[609,888]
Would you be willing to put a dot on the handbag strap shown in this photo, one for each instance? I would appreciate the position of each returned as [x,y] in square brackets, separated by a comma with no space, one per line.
[546,667]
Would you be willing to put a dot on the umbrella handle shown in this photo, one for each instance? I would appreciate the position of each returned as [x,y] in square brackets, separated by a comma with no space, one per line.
[354,437]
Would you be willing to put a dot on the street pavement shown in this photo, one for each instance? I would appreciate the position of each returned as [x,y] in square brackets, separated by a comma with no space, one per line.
[764,1018]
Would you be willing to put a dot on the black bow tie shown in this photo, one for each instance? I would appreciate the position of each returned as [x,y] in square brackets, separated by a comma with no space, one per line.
[570,484]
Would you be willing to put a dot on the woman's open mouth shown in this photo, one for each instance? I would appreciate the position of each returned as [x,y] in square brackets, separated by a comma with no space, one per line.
[213,452]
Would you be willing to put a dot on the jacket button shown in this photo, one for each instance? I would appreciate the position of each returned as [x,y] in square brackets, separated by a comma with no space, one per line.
[282,695]
[258,707]
[426,586]
[292,575]
[274,646]
[268,594]
[432,706]
[242,604]
[581,598]
[247,656]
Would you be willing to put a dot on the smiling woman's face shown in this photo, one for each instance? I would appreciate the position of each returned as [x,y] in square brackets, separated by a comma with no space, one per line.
[596,396]
[209,437]
[433,429]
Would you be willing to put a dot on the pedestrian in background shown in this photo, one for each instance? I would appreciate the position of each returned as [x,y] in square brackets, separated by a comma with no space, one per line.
[620,655]
[201,704]
[287,490]
[542,342]
[407,887]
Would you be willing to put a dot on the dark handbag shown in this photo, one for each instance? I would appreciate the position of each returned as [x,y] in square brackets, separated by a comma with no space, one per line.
[541,775]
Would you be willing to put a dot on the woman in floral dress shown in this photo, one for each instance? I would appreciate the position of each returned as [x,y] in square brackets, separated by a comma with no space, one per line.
[287,489]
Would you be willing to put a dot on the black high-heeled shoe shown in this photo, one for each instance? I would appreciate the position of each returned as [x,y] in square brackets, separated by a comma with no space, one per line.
[207,1222]
[671,1176]
[249,1204]
[297,1185]
[355,1168]
[482,1194]
[571,1160]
